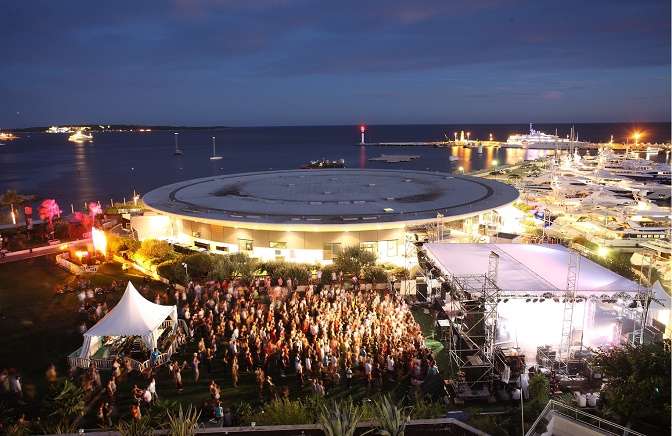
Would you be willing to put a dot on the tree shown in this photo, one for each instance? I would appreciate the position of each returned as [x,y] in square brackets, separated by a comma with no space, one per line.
[173,271]
[236,265]
[353,260]
[199,264]
[64,404]
[48,211]
[638,383]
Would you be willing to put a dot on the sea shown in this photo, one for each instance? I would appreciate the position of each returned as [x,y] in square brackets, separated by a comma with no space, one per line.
[116,164]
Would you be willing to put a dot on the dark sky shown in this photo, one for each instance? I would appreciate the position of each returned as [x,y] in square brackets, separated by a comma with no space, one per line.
[300,62]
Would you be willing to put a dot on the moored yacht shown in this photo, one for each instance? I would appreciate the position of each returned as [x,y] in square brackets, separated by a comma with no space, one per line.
[538,139]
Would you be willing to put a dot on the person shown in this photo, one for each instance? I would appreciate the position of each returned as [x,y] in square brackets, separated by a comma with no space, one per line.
[147,396]
[219,414]
[261,378]
[194,364]
[136,414]
[348,376]
[151,388]
[51,375]
[234,372]
[154,357]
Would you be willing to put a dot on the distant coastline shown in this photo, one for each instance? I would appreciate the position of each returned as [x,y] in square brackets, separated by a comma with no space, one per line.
[122,128]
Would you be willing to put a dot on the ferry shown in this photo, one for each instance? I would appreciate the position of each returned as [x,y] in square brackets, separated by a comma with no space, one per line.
[540,140]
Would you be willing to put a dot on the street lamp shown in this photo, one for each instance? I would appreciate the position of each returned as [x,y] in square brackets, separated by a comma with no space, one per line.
[495,162]
[186,269]
[461,169]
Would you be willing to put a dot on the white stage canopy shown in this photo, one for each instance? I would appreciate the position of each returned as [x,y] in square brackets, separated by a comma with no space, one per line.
[132,316]
[527,268]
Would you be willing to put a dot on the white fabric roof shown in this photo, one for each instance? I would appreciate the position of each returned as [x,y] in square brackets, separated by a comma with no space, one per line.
[132,316]
[527,267]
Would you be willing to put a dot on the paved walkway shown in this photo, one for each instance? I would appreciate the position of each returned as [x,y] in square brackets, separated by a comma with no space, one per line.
[45,250]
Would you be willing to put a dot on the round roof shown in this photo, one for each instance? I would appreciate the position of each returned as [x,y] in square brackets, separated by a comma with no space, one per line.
[330,196]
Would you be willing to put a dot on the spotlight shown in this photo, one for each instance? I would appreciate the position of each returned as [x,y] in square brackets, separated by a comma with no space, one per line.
[535,300]
[506,300]
[557,300]
[632,305]
[527,300]
[541,300]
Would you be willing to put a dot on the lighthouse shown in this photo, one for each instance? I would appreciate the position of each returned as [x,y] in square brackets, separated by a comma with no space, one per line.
[362,130]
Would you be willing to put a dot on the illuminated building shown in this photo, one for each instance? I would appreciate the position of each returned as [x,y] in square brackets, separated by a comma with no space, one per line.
[310,215]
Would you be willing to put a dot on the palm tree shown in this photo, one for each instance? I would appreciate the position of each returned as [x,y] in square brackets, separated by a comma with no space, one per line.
[48,211]
[392,419]
[340,419]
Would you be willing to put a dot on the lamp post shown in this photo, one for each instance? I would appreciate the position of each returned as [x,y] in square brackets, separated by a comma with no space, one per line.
[186,269]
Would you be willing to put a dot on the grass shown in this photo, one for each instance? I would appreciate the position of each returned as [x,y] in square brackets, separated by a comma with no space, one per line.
[40,327]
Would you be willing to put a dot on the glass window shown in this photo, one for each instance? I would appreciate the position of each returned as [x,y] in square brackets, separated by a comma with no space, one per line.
[222,248]
[368,246]
[278,245]
[331,250]
[245,244]
[390,247]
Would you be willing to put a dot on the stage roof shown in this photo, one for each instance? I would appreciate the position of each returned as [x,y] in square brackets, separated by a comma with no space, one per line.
[527,267]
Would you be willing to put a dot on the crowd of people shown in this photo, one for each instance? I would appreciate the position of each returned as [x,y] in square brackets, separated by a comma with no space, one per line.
[321,336]
[313,339]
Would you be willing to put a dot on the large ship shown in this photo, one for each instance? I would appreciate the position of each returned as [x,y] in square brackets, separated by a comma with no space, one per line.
[541,140]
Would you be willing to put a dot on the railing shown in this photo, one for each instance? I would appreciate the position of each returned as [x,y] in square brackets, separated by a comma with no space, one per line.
[603,425]
[106,363]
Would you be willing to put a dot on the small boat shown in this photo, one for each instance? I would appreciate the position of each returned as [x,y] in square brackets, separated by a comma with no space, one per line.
[7,136]
[178,151]
[324,163]
[214,154]
[80,136]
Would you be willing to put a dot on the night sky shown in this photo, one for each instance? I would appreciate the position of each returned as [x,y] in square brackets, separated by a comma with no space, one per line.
[298,62]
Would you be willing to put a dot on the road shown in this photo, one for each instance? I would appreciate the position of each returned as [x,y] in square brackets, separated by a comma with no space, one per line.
[41,251]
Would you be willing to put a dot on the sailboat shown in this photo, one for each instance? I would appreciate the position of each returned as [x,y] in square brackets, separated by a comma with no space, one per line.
[214,154]
[178,151]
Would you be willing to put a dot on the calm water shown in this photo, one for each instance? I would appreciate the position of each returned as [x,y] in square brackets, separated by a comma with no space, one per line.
[115,164]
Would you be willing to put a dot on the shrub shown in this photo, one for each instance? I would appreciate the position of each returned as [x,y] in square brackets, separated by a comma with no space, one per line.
[353,260]
[375,274]
[156,251]
[283,412]
[116,244]
[299,273]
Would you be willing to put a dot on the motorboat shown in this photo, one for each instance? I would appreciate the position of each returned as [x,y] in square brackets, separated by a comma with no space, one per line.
[80,136]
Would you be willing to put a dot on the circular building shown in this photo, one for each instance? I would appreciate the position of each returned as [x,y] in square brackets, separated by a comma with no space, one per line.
[309,215]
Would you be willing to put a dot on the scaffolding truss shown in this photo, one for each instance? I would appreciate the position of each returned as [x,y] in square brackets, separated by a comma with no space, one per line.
[573,268]
[471,341]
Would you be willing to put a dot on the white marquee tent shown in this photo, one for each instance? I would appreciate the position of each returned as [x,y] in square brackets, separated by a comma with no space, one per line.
[132,316]
[527,268]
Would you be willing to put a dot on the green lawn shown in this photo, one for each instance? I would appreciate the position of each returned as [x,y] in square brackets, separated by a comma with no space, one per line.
[39,327]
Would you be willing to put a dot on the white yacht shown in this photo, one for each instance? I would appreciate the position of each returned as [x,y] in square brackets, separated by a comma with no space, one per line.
[80,136]
[56,129]
[538,139]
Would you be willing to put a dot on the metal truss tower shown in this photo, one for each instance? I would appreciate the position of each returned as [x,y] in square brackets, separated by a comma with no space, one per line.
[573,269]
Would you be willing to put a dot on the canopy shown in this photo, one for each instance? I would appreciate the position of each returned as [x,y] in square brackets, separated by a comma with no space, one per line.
[527,267]
[132,316]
